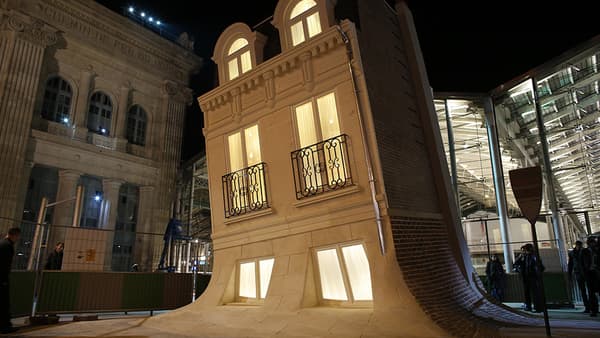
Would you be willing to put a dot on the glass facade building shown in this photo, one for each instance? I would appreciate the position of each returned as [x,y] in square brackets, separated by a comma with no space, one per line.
[549,117]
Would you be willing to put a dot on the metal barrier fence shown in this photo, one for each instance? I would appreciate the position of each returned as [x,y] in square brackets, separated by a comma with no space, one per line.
[79,292]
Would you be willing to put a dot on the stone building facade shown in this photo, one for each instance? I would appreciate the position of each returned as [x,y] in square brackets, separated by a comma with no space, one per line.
[329,185]
[88,97]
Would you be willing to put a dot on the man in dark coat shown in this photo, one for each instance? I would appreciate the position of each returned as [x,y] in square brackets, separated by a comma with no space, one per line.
[576,272]
[7,251]
[55,258]
[527,265]
[496,277]
[591,269]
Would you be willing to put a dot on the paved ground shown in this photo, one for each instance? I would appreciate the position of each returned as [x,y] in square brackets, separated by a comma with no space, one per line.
[566,323]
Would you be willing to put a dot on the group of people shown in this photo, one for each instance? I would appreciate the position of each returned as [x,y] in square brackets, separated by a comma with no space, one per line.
[7,251]
[584,270]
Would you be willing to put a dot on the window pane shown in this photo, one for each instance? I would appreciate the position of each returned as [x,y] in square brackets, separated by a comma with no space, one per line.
[247,280]
[237,45]
[236,157]
[328,116]
[232,65]
[297,33]
[252,145]
[306,125]
[314,24]
[359,274]
[246,61]
[265,268]
[302,7]
[332,282]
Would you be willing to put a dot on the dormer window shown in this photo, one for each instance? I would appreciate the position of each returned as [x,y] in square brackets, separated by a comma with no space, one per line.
[238,50]
[239,60]
[304,21]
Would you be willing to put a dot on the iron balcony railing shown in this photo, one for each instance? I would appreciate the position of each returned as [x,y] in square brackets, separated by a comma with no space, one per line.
[245,190]
[321,167]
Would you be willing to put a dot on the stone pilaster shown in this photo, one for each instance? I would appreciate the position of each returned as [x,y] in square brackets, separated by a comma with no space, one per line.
[81,106]
[63,212]
[144,242]
[110,203]
[121,128]
[23,41]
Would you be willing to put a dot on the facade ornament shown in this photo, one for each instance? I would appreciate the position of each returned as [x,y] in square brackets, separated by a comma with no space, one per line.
[178,92]
[269,82]
[32,30]
[236,104]
[307,70]
[186,41]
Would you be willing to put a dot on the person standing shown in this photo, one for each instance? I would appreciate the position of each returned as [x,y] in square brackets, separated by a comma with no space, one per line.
[576,272]
[591,268]
[7,251]
[55,258]
[496,277]
[527,265]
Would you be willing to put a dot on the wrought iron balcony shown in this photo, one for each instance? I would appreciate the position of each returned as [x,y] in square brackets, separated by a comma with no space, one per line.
[245,191]
[321,167]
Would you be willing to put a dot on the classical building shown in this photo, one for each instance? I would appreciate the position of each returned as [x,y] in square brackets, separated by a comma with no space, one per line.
[329,185]
[89,97]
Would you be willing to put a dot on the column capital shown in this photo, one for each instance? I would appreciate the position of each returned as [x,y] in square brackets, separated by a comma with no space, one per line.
[111,183]
[69,174]
[30,29]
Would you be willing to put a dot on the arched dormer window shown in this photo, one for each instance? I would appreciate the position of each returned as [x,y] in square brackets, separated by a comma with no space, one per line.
[238,60]
[57,100]
[300,20]
[304,21]
[136,125]
[238,51]
[100,113]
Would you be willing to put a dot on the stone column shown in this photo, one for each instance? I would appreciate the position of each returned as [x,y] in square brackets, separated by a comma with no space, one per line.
[81,103]
[23,41]
[121,128]
[108,217]
[144,242]
[63,212]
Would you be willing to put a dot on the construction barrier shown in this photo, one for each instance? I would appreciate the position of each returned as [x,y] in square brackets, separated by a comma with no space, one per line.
[78,292]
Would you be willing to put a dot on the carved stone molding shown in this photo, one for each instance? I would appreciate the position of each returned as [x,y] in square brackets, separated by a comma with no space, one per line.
[307,71]
[269,78]
[177,92]
[236,105]
[30,29]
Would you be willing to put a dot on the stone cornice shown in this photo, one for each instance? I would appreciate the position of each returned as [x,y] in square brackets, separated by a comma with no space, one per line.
[177,92]
[115,34]
[277,66]
[28,28]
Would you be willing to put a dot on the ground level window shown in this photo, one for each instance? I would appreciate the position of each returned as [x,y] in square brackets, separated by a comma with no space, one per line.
[344,273]
[254,278]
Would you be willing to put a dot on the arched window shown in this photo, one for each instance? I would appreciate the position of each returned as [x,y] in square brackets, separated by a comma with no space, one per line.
[136,125]
[99,114]
[238,58]
[57,100]
[304,21]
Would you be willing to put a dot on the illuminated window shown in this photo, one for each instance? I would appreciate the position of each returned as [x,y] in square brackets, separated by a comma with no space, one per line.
[57,100]
[317,121]
[238,58]
[247,185]
[344,273]
[254,278]
[304,21]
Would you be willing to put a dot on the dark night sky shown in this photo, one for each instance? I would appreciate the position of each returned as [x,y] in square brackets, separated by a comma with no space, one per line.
[468,46]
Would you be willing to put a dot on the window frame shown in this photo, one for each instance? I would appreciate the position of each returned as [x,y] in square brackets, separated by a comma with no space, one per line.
[350,302]
[242,131]
[237,55]
[302,17]
[258,300]
[133,139]
[316,117]
[101,109]
[58,92]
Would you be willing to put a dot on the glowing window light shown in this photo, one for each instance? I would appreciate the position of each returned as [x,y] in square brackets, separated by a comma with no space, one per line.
[247,280]
[332,280]
[359,275]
